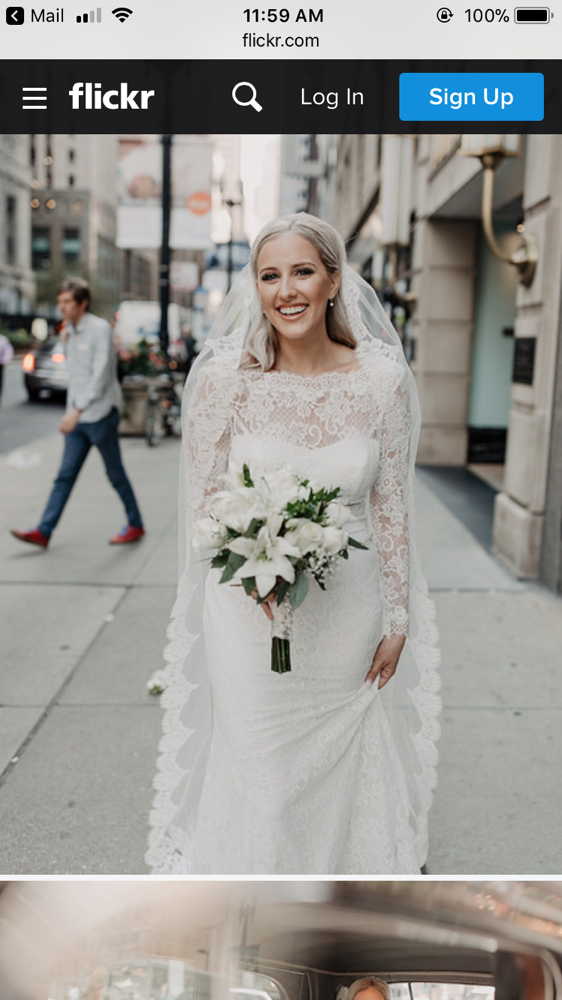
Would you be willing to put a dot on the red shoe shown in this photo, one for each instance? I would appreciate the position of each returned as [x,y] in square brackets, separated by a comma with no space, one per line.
[128,534]
[34,537]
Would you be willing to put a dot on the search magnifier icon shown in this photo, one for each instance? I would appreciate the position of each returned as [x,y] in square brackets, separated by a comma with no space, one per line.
[252,102]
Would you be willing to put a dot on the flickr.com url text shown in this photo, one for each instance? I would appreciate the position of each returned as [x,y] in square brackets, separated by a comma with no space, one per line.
[253,40]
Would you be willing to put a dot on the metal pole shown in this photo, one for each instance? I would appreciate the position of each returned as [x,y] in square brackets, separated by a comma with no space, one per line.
[230,264]
[165,250]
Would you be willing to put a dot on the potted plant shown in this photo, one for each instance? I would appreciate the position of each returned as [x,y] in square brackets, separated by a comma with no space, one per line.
[136,366]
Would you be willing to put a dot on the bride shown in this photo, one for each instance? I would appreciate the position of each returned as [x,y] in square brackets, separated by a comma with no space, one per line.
[328,769]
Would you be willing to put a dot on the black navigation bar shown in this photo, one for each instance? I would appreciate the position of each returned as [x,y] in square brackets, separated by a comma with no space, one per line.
[93,96]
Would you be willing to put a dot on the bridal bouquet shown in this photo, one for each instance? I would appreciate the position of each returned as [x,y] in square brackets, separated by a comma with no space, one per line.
[272,534]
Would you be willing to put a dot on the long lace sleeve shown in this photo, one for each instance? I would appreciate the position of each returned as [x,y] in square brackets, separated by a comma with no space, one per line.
[207,432]
[389,508]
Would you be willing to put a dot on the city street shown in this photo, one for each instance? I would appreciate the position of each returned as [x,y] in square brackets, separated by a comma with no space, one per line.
[22,421]
[84,627]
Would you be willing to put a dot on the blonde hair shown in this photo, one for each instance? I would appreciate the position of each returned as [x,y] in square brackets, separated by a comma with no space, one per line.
[370,983]
[261,343]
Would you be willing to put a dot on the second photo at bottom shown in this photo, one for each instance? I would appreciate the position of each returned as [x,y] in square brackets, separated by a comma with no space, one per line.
[307,940]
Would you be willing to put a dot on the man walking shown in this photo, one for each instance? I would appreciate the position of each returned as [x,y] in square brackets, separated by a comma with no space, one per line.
[92,414]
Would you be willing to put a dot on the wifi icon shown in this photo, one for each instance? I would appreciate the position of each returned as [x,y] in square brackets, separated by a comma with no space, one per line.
[122,13]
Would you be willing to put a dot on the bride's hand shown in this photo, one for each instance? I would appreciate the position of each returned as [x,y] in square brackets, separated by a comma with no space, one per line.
[386,659]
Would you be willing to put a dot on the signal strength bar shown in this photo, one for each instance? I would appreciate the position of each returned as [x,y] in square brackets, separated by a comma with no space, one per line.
[36,94]
[94,15]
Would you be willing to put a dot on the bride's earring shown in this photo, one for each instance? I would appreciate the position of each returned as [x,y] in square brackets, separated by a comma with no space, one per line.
[330,302]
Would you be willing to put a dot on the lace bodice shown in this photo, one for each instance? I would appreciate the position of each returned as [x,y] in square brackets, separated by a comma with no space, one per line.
[349,429]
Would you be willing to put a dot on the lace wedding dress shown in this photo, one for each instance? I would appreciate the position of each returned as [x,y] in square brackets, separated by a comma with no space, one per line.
[311,772]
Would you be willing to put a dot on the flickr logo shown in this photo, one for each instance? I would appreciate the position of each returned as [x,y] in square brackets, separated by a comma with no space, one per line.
[90,96]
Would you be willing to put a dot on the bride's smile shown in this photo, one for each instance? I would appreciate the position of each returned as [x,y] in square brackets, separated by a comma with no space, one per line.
[295,287]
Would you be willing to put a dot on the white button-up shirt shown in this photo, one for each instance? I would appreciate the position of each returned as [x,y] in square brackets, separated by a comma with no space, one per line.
[93,386]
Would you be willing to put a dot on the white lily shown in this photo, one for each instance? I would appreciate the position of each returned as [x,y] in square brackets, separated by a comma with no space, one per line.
[234,477]
[266,559]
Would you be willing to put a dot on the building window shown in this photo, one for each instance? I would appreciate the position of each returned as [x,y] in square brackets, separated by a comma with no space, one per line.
[40,249]
[71,156]
[71,180]
[70,245]
[11,206]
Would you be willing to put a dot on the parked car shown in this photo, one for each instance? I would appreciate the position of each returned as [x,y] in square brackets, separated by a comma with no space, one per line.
[46,369]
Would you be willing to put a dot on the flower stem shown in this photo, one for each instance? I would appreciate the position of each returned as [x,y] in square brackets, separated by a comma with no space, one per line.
[280,655]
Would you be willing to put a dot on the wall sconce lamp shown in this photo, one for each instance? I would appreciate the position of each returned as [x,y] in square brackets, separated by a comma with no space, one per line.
[491,151]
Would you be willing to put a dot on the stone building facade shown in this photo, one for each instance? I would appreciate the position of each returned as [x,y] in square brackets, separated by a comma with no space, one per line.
[467,321]
[73,202]
[17,286]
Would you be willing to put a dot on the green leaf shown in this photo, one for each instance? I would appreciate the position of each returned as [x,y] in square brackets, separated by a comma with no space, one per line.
[249,584]
[220,559]
[234,562]
[253,528]
[248,481]
[298,590]
[283,589]
[355,544]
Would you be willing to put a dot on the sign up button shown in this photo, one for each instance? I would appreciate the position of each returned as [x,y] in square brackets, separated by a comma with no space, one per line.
[448,97]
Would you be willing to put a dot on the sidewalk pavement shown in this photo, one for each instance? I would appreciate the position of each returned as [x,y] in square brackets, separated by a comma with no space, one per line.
[83,630]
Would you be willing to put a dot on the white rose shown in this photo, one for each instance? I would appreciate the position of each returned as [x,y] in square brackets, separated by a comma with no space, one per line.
[305,535]
[334,540]
[157,683]
[283,486]
[235,509]
[336,514]
[208,534]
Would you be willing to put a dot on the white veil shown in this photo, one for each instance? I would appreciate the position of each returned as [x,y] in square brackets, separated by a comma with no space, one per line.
[411,699]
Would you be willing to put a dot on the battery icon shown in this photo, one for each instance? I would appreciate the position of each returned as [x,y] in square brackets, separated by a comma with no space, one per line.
[532,15]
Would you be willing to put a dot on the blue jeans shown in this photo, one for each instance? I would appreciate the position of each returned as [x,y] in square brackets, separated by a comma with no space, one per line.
[103,434]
